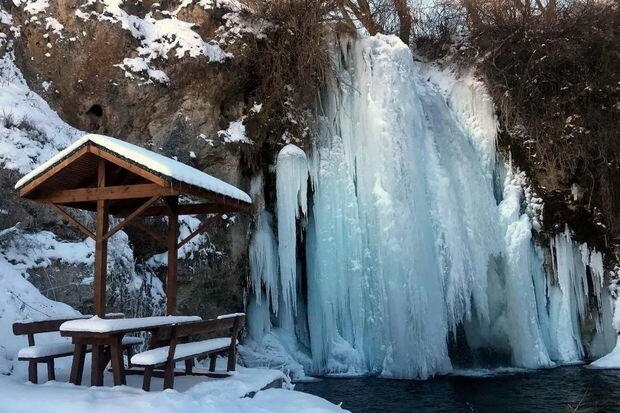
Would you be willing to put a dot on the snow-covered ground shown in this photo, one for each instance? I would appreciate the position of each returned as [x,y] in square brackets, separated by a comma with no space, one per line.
[191,394]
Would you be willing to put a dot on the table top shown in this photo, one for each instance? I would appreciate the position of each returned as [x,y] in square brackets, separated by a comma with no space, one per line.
[96,325]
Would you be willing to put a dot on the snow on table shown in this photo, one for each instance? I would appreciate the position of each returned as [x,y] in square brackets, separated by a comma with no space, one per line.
[159,164]
[101,325]
[160,355]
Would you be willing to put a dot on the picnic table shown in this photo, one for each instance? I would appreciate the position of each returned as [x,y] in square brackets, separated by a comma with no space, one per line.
[105,337]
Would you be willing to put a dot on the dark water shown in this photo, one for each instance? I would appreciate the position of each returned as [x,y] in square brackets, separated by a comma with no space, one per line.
[562,389]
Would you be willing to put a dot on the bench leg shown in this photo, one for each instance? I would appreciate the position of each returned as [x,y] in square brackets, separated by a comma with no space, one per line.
[148,373]
[189,364]
[51,374]
[232,358]
[212,361]
[77,367]
[116,355]
[169,375]
[129,351]
[32,372]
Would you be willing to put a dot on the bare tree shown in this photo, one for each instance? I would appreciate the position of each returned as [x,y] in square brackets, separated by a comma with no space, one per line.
[379,16]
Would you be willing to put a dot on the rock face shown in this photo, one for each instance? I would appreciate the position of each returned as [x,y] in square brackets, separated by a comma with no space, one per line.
[146,73]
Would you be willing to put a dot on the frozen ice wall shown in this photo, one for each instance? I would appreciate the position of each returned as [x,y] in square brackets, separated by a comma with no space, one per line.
[418,239]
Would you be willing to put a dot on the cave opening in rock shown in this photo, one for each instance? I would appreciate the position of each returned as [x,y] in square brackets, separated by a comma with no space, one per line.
[95,110]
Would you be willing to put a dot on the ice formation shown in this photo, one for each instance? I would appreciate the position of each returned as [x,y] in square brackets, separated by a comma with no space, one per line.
[292,188]
[418,238]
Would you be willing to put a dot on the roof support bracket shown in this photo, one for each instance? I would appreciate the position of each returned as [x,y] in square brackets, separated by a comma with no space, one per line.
[72,220]
[202,228]
[131,217]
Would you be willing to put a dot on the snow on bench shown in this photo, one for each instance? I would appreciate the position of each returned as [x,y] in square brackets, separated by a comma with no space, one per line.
[61,348]
[182,351]
[106,325]
[232,315]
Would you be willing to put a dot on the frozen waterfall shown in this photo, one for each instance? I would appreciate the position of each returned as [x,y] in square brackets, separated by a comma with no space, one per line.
[418,238]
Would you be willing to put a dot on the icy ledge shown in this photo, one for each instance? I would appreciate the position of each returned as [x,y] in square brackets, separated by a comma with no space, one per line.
[610,361]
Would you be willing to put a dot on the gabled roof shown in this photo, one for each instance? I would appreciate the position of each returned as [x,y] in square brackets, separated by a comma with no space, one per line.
[143,164]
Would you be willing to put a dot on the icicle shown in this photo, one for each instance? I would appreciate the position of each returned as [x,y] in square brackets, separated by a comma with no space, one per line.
[292,187]
[264,261]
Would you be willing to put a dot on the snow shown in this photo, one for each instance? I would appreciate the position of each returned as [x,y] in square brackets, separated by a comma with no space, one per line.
[191,393]
[55,25]
[105,325]
[160,355]
[610,361]
[43,350]
[152,161]
[139,65]
[417,234]
[231,315]
[30,131]
[33,6]
[235,132]
[61,347]
[21,301]
[159,38]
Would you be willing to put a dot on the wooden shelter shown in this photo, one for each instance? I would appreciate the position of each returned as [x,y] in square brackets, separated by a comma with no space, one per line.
[112,177]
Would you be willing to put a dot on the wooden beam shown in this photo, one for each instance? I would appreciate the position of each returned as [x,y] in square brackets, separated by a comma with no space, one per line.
[68,196]
[214,197]
[198,231]
[131,217]
[32,185]
[138,170]
[190,209]
[162,241]
[173,233]
[72,220]
[101,246]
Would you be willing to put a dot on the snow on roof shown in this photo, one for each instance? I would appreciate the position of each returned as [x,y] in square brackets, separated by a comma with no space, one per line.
[151,161]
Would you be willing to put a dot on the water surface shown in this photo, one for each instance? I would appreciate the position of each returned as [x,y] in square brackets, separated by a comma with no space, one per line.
[561,389]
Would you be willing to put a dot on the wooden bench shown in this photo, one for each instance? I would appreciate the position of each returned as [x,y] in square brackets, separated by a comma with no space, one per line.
[46,353]
[181,348]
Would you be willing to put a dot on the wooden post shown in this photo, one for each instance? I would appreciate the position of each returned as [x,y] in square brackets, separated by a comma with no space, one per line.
[173,253]
[101,246]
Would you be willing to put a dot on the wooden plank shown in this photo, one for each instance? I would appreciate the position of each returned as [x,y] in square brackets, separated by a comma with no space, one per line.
[203,327]
[173,253]
[131,217]
[44,326]
[138,170]
[202,228]
[69,196]
[101,247]
[32,185]
[72,220]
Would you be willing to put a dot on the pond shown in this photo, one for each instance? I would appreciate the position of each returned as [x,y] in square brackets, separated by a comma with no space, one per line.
[561,389]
